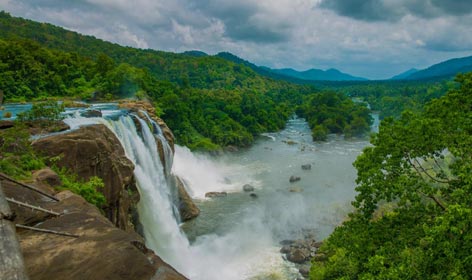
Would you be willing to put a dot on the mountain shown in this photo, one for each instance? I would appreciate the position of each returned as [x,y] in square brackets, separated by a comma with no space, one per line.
[292,75]
[195,53]
[318,75]
[448,68]
[405,74]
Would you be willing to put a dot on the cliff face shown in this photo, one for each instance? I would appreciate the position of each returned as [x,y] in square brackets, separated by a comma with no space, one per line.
[101,251]
[95,151]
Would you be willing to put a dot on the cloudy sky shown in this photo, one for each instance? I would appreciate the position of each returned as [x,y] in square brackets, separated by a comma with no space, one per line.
[370,38]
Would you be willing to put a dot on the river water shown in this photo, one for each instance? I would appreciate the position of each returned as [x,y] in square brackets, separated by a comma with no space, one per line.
[240,234]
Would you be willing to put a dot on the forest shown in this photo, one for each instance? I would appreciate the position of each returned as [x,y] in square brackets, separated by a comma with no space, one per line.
[412,217]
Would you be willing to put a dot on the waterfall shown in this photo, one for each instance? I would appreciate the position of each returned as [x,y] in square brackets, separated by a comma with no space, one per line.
[156,210]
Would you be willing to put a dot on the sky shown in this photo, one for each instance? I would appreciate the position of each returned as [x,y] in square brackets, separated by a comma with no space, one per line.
[375,39]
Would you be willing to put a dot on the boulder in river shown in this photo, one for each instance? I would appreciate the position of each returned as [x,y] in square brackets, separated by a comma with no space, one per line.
[306,166]
[294,178]
[295,189]
[187,208]
[305,270]
[248,188]
[253,195]
[298,255]
[91,114]
[216,194]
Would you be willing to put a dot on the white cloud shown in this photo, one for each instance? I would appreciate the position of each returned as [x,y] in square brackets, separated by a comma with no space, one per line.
[277,33]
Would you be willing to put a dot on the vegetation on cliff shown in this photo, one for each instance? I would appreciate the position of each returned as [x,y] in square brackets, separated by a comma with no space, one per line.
[413,215]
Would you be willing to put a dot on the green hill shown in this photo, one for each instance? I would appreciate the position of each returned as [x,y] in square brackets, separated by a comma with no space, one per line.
[445,69]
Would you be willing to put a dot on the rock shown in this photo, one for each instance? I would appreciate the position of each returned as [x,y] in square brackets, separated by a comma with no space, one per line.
[317,244]
[47,176]
[231,149]
[4,124]
[294,178]
[248,188]
[289,142]
[286,242]
[216,194]
[91,114]
[285,249]
[298,255]
[295,189]
[305,270]
[306,167]
[187,208]
[253,195]
[95,151]
[320,257]
[42,127]
[142,105]
[101,251]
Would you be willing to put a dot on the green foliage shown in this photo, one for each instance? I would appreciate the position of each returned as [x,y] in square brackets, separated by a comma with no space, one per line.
[421,164]
[89,190]
[330,112]
[47,111]
[17,158]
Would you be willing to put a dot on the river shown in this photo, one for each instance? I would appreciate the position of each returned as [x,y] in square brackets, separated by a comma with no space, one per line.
[239,235]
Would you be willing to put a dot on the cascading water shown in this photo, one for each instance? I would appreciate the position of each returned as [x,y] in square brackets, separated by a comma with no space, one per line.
[156,210]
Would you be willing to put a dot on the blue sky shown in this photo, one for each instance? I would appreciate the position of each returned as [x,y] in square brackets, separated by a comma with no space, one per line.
[370,38]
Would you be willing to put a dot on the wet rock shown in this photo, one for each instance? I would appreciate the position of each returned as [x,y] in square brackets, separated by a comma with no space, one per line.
[216,194]
[294,178]
[317,244]
[295,189]
[248,188]
[231,149]
[187,208]
[253,195]
[91,114]
[289,142]
[286,242]
[305,270]
[46,127]
[298,255]
[285,249]
[320,257]
[306,167]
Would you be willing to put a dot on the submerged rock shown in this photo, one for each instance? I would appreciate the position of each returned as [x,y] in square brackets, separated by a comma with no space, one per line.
[248,188]
[294,178]
[253,195]
[295,189]
[306,167]
[305,270]
[91,114]
[216,194]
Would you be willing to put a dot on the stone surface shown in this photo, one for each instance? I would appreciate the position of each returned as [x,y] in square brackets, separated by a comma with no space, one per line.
[294,178]
[41,127]
[295,189]
[101,251]
[306,167]
[305,270]
[216,194]
[248,188]
[4,124]
[142,105]
[95,151]
[187,208]
[47,176]
[91,114]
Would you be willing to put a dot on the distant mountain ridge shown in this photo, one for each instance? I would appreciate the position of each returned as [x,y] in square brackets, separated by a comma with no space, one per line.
[318,75]
[405,74]
[445,69]
[291,74]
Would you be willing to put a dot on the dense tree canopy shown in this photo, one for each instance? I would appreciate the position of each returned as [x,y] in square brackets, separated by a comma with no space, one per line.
[413,214]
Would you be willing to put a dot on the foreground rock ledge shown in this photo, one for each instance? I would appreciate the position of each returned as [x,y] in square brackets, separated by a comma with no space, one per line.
[101,251]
